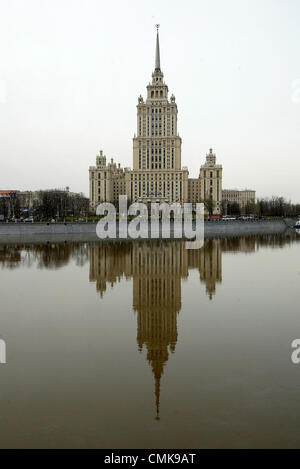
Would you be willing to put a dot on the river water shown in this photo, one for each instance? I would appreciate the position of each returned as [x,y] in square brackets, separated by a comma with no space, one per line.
[149,345]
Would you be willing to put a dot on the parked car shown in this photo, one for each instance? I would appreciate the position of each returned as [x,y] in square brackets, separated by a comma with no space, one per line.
[28,220]
[228,218]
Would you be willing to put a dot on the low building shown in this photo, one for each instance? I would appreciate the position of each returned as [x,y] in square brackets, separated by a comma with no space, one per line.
[243,198]
[9,194]
[28,199]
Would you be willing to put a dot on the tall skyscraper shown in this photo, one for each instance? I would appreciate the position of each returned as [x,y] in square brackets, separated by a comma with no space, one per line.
[157,174]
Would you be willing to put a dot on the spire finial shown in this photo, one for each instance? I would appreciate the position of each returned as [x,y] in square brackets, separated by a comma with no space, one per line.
[157,395]
[157,53]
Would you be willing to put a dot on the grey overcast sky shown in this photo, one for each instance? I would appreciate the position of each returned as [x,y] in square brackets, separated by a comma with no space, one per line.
[71,72]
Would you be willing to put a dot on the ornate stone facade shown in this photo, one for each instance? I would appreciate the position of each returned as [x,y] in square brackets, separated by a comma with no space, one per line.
[208,187]
[157,174]
[107,181]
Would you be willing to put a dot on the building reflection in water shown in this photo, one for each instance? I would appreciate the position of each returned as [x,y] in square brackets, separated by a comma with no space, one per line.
[156,269]
[157,272]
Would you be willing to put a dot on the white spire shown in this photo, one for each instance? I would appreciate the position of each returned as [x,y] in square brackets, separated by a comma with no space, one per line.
[157,53]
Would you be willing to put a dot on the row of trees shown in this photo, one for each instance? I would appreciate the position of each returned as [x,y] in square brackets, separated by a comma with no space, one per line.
[277,207]
[273,207]
[10,207]
[264,207]
[53,203]
[57,203]
[46,204]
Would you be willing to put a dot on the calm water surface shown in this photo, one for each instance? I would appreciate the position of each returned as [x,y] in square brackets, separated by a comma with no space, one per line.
[149,345]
